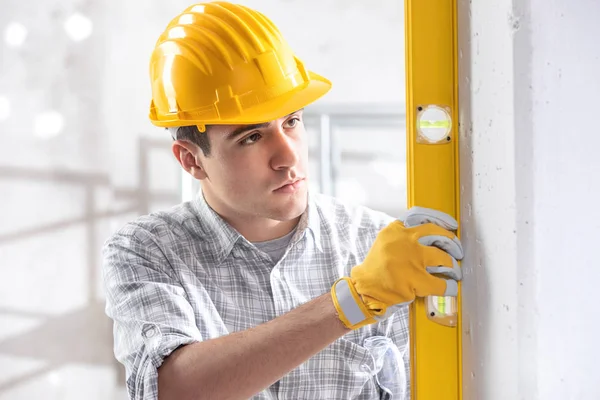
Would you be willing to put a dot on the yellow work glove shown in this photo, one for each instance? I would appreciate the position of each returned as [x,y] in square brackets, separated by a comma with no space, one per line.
[400,266]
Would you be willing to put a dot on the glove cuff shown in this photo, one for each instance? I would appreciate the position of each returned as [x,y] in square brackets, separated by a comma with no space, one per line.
[349,305]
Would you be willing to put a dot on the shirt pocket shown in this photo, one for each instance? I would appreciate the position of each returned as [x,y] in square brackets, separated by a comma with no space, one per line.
[374,361]
[356,358]
[342,370]
[389,366]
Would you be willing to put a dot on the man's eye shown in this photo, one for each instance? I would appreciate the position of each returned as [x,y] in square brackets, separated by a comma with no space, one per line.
[293,122]
[255,137]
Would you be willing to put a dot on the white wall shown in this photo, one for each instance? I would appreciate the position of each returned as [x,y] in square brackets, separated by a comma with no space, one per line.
[63,190]
[529,81]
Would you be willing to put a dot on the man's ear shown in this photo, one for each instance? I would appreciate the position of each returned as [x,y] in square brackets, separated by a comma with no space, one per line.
[188,156]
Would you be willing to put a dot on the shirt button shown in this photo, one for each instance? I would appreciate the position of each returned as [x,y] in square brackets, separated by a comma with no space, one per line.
[149,332]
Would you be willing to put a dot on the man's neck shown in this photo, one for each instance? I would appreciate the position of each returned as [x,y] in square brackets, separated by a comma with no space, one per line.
[253,228]
[262,230]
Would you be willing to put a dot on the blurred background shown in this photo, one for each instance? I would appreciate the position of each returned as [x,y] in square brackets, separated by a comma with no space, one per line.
[79,158]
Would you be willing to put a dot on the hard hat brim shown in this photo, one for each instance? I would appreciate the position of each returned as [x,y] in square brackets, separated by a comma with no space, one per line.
[289,103]
[302,96]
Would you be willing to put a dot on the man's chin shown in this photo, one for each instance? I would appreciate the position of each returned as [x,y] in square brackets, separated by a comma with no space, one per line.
[291,207]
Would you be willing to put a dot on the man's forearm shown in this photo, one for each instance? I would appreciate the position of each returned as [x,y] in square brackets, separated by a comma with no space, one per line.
[240,365]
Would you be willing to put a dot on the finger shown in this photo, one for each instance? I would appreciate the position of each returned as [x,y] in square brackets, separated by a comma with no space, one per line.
[451,288]
[421,215]
[440,238]
[440,287]
[453,273]
[451,246]
[431,286]
[391,311]
[439,262]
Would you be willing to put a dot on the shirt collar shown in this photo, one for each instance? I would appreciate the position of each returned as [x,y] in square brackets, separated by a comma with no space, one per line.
[313,221]
[215,229]
[223,236]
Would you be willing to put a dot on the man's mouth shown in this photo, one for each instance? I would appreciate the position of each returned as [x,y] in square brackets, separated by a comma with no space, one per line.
[290,186]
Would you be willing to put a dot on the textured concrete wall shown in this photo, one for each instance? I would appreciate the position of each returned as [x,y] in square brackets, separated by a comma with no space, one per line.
[530,195]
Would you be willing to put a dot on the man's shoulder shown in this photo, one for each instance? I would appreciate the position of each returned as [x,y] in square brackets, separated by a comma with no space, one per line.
[345,214]
[169,224]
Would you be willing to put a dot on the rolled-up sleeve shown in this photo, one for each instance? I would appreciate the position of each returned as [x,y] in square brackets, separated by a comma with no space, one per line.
[151,314]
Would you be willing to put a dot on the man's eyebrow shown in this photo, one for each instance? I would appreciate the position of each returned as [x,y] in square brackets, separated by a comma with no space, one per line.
[245,128]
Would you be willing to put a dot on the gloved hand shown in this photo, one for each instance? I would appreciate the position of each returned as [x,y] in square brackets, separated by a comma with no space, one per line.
[399,267]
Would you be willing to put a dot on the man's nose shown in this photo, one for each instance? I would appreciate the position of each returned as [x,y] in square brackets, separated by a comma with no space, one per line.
[285,151]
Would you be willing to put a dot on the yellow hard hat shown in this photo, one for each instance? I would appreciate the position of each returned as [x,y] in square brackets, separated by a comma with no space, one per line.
[223,63]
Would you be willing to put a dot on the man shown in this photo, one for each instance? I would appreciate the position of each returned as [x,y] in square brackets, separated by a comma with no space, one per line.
[257,288]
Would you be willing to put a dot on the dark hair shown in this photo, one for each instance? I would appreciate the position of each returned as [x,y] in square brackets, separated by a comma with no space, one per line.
[192,134]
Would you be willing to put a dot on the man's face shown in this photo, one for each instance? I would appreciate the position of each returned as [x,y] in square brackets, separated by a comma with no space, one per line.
[258,170]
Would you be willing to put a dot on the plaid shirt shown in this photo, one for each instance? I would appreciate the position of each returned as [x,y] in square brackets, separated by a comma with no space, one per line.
[184,275]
